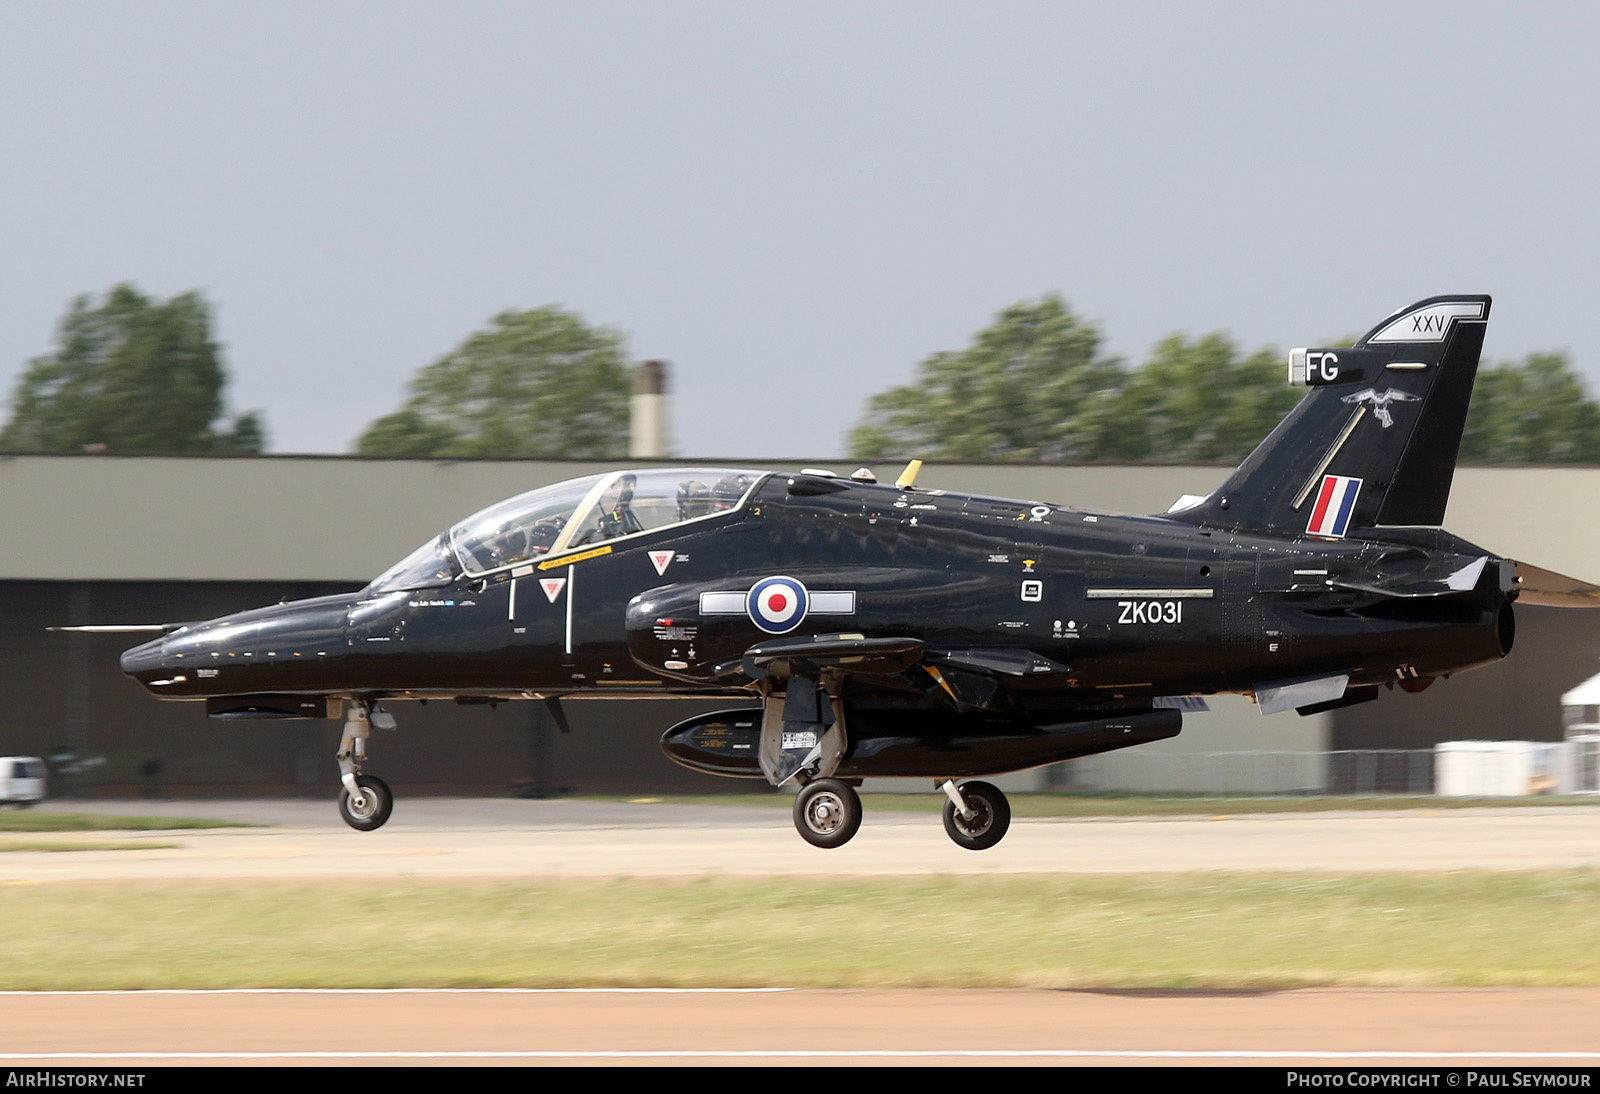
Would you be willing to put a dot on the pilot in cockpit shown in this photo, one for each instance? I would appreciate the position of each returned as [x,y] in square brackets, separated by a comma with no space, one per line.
[543,535]
[694,500]
[510,544]
[617,517]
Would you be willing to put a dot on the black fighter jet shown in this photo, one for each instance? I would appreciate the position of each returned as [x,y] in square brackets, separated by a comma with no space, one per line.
[879,630]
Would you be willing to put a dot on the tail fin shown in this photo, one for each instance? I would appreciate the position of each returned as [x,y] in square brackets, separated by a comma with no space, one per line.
[1375,440]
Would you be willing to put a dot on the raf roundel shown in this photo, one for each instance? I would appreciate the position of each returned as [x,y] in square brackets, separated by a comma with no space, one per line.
[777,604]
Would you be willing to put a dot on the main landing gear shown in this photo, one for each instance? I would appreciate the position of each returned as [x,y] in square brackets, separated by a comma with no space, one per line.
[827,813]
[803,740]
[977,814]
[365,802]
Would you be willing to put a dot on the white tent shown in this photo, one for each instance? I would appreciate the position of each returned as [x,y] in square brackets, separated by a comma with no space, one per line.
[1586,694]
[1580,713]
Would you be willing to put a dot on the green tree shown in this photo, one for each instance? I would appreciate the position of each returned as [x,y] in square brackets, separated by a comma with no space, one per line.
[131,374]
[1033,385]
[1200,399]
[1532,411]
[535,383]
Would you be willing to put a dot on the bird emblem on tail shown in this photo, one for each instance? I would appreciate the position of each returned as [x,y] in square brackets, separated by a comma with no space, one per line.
[1379,401]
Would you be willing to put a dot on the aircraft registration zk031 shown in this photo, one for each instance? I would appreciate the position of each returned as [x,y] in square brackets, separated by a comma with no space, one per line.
[889,630]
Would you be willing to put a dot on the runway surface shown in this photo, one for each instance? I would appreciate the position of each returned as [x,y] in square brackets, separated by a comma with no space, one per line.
[516,838]
[445,838]
[1446,1029]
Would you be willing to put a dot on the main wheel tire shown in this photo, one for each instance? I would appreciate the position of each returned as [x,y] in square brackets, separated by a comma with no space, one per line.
[991,817]
[827,812]
[372,809]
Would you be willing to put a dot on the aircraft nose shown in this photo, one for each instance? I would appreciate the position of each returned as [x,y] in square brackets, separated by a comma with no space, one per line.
[146,658]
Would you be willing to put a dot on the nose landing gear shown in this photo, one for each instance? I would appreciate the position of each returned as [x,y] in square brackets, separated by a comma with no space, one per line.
[365,802]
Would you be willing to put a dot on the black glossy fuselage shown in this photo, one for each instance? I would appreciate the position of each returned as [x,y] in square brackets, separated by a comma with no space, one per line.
[1115,608]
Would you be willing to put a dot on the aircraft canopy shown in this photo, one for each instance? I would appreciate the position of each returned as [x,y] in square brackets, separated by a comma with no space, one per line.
[571,515]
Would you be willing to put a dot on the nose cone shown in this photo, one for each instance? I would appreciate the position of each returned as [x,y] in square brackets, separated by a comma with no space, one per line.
[149,662]
[245,652]
[143,658]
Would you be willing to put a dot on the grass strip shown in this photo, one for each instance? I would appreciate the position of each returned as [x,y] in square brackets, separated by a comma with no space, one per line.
[1073,805]
[28,820]
[1221,930]
[84,845]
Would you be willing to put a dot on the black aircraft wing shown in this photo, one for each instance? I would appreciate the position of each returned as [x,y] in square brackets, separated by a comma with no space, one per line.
[849,653]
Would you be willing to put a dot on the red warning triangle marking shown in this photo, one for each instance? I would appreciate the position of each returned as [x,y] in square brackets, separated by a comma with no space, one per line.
[552,587]
[661,559]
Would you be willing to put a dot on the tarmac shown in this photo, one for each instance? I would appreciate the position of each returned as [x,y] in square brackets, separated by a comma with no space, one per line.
[481,837]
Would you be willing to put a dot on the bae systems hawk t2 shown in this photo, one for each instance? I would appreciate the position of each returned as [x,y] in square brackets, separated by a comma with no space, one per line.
[878,629]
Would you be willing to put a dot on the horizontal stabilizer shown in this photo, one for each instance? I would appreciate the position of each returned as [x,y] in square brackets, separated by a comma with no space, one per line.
[1439,579]
[1350,698]
[1553,590]
[1290,694]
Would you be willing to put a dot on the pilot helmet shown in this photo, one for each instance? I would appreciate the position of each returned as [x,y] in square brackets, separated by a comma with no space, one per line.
[510,542]
[694,500]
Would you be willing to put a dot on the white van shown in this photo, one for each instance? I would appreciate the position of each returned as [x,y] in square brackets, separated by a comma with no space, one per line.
[21,780]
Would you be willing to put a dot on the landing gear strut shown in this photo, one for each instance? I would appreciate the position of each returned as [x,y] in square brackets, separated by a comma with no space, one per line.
[976,816]
[365,802]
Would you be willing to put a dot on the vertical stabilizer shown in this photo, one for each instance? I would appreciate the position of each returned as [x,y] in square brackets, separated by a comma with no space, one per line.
[1375,441]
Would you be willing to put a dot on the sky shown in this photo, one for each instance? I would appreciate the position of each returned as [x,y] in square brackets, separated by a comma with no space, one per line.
[793,203]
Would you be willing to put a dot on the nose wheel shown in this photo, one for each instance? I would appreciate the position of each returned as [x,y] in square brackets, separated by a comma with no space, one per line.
[976,816]
[369,806]
[827,812]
